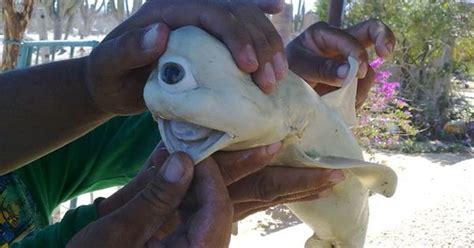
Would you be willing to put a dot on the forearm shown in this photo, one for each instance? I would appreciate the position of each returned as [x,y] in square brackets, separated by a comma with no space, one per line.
[42,109]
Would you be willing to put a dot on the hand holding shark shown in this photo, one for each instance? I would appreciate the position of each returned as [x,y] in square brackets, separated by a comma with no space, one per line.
[204,103]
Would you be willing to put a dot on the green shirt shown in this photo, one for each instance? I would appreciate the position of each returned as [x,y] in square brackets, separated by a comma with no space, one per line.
[110,155]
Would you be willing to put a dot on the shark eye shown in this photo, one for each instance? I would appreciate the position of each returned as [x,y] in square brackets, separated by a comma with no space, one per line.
[175,75]
[172,73]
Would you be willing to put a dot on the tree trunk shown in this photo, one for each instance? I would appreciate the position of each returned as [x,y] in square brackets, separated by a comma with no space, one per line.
[136,5]
[335,13]
[88,14]
[127,9]
[57,26]
[283,23]
[68,29]
[43,35]
[16,20]
[120,11]
[86,28]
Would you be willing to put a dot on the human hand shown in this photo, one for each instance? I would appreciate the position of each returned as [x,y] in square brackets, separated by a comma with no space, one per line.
[319,54]
[117,69]
[130,220]
[252,185]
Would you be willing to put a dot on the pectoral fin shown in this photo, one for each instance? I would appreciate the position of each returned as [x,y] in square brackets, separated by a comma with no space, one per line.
[377,178]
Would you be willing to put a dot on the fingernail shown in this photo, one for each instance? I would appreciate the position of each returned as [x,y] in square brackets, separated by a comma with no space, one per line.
[250,55]
[342,71]
[363,67]
[389,47]
[150,39]
[269,74]
[273,148]
[336,176]
[279,65]
[173,170]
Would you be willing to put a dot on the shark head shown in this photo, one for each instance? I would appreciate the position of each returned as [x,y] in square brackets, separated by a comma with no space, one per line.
[201,100]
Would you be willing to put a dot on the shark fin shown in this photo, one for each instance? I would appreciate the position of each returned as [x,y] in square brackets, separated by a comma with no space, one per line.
[343,100]
[377,178]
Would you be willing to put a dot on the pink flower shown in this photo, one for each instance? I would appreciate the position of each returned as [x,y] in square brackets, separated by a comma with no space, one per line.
[376,63]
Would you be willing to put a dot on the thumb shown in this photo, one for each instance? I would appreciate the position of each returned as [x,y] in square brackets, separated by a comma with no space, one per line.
[152,207]
[313,68]
[131,50]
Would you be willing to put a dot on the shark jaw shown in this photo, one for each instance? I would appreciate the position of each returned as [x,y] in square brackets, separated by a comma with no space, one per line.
[197,141]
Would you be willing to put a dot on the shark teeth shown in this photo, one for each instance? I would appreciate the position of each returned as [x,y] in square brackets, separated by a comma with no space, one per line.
[197,141]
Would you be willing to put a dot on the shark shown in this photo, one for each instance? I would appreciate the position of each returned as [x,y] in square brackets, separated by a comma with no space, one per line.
[204,103]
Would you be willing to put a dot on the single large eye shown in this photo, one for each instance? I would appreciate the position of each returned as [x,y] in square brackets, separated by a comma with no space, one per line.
[172,73]
[175,74]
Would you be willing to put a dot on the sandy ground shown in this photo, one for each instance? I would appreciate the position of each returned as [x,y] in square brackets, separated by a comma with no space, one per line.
[433,207]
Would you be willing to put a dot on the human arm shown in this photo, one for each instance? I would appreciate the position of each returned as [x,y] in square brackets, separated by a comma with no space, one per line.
[42,108]
[46,107]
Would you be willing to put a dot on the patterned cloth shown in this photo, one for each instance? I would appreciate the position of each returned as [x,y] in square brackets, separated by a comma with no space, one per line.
[17,210]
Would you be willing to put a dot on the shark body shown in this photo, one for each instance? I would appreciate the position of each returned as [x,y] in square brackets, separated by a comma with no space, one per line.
[203,103]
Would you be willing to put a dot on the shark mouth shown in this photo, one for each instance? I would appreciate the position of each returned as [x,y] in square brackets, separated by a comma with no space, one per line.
[197,141]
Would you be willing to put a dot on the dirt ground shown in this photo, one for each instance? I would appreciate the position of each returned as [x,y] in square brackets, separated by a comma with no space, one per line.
[433,207]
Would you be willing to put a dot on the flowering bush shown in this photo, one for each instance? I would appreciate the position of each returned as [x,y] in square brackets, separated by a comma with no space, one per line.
[385,118]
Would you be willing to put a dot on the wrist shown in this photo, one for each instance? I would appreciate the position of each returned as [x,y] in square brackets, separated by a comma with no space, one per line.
[87,89]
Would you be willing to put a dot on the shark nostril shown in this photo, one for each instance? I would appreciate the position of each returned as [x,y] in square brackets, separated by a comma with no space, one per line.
[172,73]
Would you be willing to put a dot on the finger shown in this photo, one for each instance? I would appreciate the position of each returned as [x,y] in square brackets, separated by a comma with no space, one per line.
[210,16]
[147,211]
[143,47]
[273,182]
[326,41]
[237,165]
[375,32]
[267,42]
[242,210]
[157,157]
[215,19]
[126,193]
[316,69]
[216,211]
[253,15]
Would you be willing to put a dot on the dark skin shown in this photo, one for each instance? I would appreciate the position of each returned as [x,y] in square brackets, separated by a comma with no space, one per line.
[237,172]
[150,208]
[48,106]
[319,52]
